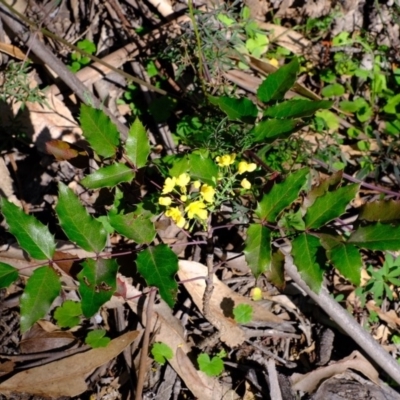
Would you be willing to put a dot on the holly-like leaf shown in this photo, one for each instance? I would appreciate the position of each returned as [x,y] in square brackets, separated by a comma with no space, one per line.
[236,109]
[276,274]
[381,210]
[109,176]
[161,352]
[97,338]
[272,129]
[213,367]
[99,131]
[377,237]
[158,266]
[67,315]
[41,289]
[281,196]
[243,313]
[203,169]
[34,237]
[308,256]
[97,283]
[137,146]
[258,248]
[296,108]
[278,83]
[8,275]
[329,206]
[347,260]
[78,225]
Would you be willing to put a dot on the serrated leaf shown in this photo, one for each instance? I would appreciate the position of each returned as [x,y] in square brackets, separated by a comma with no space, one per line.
[97,283]
[134,226]
[41,289]
[203,169]
[257,251]
[243,313]
[213,367]
[380,210]
[34,237]
[272,129]
[137,146]
[8,275]
[158,266]
[78,225]
[278,83]
[67,315]
[329,206]
[99,131]
[97,338]
[276,273]
[109,176]
[236,109]
[296,108]
[377,237]
[347,260]
[281,196]
[161,352]
[308,256]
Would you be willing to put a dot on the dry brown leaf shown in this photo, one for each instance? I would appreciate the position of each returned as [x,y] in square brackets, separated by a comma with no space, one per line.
[356,361]
[65,377]
[13,51]
[390,316]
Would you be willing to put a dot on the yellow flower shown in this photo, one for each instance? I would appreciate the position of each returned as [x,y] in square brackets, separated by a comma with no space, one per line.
[245,184]
[169,185]
[183,179]
[165,201]
[226,160]
[175,214]
[207,192]
[246,167]
[196,184]
[196,208]
[183,197]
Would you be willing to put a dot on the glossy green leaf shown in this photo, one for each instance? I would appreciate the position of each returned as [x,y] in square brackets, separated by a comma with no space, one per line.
[281,196]
[78,225]
[137,146]
[276,273]
[211,367]
[380,210]
[335,89]
[67,315]
[161,352]
[158,266]
[41,289]
[109,176]
[203,169]
[34,237]
[272,129]
[377,237]
[347,260]
[97,283]
[8,275]
[329,206]
[236,109]
[257,251]
[243,313]
[308,256]
[279,82]
[97,338]
[296,108]
[99,131]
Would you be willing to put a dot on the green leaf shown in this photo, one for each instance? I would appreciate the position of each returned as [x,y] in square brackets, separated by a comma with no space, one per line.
[331,120]
[99,131]
[8,275]
[281,196]
[308,257]
[161,352]
[272,129]
[203,169]
[296,108]
[41,289]
[134,226]
[97,338]
[380,210]
[87,46]
[257,45]
[336,89]
[158,266]
[258,248]
[137,146]
[347,260]
[349,106]
[109,176]
[243,313]
[34,237]
[377,237]
[236,109]
[67,315]
[329,206]
[76,222]
[97,283]
[276,274]
[278,83]
[213,367]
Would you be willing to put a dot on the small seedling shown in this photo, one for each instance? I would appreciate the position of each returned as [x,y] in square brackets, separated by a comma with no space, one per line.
[211,367]
[161,352]
[97,338]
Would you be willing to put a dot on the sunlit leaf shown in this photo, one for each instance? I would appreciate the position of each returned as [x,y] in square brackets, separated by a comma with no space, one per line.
[380,210]
[67,315]
[8,275]
[203,169]
[243,313]
[161,352]
[109,176]
[377,237]
[347,260]
[137,146]
[272,129]
[236,109]
[296,108]
[97,338]
[211,367]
